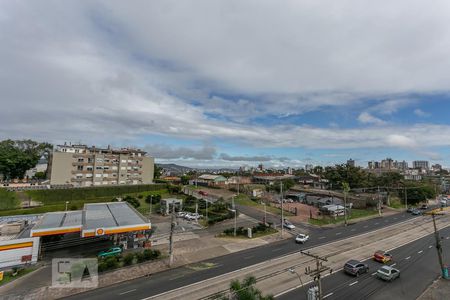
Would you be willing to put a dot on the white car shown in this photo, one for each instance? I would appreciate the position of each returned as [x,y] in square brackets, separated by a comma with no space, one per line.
[289,225]
[301,238]
[181,214]
[192,216]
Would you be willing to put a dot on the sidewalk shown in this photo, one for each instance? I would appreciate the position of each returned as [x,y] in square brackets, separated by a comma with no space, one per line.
[440,289]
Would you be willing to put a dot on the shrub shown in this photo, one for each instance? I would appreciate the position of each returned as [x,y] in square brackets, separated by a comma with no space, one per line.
[140,196]
[128,259]
[111,262]
[73,207]
[140,257]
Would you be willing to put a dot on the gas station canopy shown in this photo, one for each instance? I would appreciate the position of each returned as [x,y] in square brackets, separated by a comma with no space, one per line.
[95,219]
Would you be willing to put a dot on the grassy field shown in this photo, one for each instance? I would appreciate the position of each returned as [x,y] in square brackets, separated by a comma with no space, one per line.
[63,195]
[245,200]
[355,214]
[51,205]
[8,200]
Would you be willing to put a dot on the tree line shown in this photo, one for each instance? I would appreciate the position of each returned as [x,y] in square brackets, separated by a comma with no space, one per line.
[18,156]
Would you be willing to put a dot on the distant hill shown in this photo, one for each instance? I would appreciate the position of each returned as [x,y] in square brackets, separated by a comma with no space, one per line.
[174,169]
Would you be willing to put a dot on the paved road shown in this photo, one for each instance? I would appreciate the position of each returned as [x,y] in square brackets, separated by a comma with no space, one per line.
[182,276]
[418,265]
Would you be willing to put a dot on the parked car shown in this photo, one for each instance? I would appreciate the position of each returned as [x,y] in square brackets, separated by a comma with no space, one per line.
[203,193]
[192,216]
[355,267]
[416,212]
[181,214]
[388,273]
[288,225]
[301,238]
[382,256]
[424,206]
[410,209]
[110,252]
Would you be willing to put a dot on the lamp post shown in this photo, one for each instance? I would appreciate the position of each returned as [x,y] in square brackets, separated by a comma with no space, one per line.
[265,213]
[67,202]
[235,220]
[292,271]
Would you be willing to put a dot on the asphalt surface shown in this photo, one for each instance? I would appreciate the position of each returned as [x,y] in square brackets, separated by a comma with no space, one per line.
[171,279]
[418,265]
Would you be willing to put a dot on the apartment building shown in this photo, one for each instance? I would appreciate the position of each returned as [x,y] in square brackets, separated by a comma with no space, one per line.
[420,164]
[80,166]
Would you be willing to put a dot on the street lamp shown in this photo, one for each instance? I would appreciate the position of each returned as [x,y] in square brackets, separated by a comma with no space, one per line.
[67,202]
[235,220]
[292,271]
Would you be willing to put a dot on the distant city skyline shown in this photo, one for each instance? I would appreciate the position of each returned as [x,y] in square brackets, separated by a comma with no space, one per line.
[212,83]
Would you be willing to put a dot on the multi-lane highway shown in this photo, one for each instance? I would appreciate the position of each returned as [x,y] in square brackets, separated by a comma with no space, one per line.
[418,265]
[168,280]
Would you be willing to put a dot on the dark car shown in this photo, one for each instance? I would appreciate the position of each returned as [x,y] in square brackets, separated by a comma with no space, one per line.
[355,267]
[416,212]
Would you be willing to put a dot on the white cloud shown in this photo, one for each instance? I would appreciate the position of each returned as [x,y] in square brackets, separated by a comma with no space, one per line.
[420,113]
[109,72]
[367,118]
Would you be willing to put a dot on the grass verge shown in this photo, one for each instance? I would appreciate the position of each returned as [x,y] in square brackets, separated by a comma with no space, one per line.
[355,214]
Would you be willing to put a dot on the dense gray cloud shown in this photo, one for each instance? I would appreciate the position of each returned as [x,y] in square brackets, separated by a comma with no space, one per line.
[110,72]
[166,152]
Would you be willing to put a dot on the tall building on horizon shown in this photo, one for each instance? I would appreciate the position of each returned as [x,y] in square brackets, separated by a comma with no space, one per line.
[420,164]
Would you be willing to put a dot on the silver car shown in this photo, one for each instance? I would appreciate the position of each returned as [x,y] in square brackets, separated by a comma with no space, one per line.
[388,273]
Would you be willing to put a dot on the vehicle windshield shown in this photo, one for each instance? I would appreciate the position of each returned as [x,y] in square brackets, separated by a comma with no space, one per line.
[384,270]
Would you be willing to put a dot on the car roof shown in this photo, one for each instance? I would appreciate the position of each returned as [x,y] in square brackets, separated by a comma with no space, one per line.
[389,268]
[353,262]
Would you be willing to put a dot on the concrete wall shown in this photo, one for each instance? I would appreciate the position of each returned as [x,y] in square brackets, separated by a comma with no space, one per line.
[13,252]
[148,167]
[61,168]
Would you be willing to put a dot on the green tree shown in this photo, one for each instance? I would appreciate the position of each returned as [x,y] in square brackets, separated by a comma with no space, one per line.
[157,172]
[246,290]
[40,175]
[16,157]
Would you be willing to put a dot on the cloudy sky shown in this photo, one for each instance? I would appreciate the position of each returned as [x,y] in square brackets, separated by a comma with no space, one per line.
[228,83]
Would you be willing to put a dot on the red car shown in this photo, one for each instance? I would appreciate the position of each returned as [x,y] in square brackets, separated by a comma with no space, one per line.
[203,193]
[382,256]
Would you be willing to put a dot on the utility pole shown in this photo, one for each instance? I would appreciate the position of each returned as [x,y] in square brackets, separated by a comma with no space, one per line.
[235,221]
[172,228]
[379,202]
[438,246]
[282,211]
[406,198]
[346,189]
[317,273]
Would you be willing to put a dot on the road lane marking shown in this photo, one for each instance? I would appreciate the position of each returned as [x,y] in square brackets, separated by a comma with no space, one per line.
[408,257]
[127,292]
[393,265]
[420,252]
[322,237]
[248,257]
[327,295]
[338,233]
[377,223]
[366,226]
[374,273]
[430,246]
[353,229]
[395,218]
[386,221]
[353,283]
[447,238]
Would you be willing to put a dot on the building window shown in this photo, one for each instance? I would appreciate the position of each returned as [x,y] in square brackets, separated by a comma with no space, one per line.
[98,175]
[89,168]
[90,159]
[80,159]
[80,168]
[99,160]
[99,168]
